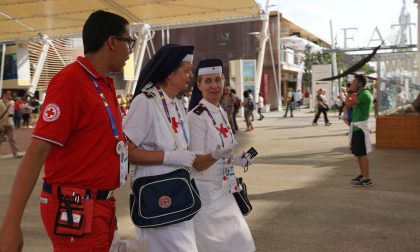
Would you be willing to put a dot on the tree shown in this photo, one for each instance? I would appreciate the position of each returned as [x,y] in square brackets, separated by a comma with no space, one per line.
[313,58]
[367,69]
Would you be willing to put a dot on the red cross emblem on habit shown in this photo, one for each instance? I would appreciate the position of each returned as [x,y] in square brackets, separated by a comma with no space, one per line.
[223,130]
[174,124]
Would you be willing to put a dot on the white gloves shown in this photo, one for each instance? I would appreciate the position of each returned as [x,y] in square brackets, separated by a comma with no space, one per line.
[241,161]
[222,153]
[179,157]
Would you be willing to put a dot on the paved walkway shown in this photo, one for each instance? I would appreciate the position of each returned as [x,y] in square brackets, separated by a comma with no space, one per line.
[22,137]
[300,190]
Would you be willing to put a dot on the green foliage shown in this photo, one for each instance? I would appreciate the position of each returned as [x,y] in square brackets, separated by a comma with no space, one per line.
[313,58]
[367,69]
[316,58]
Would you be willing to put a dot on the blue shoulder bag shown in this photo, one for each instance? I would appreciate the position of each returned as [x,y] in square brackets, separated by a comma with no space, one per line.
[164,199]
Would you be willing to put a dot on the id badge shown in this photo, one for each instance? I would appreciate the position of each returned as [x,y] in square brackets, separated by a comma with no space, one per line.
[124,165]
[229,179]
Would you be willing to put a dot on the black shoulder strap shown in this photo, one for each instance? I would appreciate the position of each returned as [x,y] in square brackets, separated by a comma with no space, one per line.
[148,94]
[199,109]
[7,109]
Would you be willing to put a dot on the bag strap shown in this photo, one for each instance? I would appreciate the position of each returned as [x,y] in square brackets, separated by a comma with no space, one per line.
[174,136]
[7,109]
[176,139]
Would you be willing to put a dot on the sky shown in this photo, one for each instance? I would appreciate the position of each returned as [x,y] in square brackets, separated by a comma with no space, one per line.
[365,15]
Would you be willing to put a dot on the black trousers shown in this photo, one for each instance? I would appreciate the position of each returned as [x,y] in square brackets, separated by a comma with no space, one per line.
[318,114]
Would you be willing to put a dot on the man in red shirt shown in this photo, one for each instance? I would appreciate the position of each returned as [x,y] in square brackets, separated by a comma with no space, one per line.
[79,138]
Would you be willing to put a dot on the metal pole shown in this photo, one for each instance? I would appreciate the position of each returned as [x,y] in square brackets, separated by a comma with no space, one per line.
[135,56]
[334,65]
[57,53]
[418,41]
[39,66]
[261,50]
[139,61]
[280,60]
[378,84]
[274,65]
[3,56]
[143,37]
[151,36]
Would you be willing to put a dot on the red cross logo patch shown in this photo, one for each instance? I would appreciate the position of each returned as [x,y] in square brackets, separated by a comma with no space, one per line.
[174,125]
[223,130]
[165,202]
[51,112]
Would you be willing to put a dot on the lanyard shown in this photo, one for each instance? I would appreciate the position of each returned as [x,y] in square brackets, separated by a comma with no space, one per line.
[215,125]
[168,116]
[108,109]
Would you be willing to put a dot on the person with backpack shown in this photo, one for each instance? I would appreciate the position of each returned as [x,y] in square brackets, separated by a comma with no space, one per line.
[249,106]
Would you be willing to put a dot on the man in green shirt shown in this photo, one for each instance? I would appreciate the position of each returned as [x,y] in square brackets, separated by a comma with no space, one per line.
[360,143]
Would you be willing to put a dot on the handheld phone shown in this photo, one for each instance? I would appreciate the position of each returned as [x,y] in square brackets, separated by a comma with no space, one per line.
[251,153]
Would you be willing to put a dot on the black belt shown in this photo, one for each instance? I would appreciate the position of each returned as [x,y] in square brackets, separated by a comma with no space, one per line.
[100,194]
[10,115]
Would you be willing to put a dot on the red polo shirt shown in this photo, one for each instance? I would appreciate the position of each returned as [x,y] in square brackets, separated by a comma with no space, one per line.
[74,119]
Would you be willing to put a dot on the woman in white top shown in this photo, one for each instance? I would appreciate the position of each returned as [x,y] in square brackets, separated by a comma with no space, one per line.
[159,136]
[220,225]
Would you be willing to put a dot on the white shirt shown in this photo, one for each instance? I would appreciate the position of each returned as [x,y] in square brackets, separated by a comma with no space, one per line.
[205,138]
[219,225]
[260,102]
[298,96]
[7,119]
[185,102]
[147,127]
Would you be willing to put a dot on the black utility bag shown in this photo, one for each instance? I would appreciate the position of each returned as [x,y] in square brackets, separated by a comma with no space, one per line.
[241,198]
[164,199]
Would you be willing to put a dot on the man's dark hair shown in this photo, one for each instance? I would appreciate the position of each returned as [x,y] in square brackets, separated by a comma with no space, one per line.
[99,27]
[360,80]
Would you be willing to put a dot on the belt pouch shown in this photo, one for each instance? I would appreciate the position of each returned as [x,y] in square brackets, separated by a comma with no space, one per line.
[71,218]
